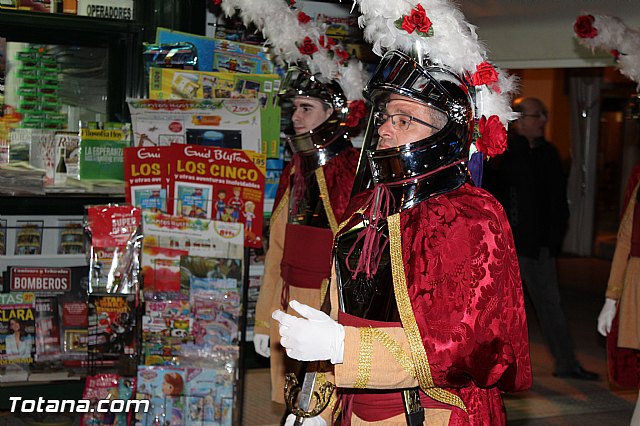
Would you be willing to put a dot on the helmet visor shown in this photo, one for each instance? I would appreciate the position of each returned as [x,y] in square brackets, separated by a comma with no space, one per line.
[399,73]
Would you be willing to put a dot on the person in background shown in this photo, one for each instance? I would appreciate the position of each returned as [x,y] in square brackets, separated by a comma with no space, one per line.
[529,182]
[618,319]
[312,195]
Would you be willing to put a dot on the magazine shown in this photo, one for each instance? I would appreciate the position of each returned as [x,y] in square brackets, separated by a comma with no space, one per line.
[112,324]
[29,237]
[17,328]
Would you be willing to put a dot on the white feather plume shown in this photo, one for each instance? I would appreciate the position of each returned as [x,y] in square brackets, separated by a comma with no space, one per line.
[454,44]
[284,33]
[613,34]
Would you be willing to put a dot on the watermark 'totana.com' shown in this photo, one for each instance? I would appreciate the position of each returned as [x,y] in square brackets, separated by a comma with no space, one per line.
[41,405]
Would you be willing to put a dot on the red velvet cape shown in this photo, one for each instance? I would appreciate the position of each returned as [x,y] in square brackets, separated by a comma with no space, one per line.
[339,173]
[465,289]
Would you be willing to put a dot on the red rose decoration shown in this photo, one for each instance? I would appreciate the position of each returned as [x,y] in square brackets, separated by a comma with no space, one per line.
[217,2]
[493,136]
[303,18]
[485,74]
[357,110]
[326,42]
[583,26]
[308,47]
[418,20]
[342,54]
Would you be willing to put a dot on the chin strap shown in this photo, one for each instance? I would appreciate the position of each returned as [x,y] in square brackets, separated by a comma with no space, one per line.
[379,204]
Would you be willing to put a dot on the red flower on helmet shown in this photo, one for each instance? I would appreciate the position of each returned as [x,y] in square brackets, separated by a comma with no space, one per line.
[485,74]
[492,138]
[584,28]
[342,54]
[326,42]
[308,47]
[416,21]
[357,110]
[303,18]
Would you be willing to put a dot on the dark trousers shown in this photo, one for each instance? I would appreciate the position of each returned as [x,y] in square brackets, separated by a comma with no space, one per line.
[540,279]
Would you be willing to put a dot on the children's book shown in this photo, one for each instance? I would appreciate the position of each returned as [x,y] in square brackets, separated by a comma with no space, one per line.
[165,387]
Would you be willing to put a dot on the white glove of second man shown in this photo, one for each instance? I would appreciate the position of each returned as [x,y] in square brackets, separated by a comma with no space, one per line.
[261,345]
[605,319]
[315,337]
[311,421]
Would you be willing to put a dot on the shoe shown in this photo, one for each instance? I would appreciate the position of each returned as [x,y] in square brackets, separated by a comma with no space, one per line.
[578,373]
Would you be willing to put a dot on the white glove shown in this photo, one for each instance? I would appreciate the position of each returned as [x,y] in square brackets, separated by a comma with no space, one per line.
[605,319]
[311,421]
[261,345]
[315,337]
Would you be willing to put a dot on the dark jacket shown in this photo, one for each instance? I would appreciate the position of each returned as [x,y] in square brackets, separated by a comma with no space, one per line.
[532,188]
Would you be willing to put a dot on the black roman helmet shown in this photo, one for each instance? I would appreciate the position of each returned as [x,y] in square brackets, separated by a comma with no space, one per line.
[331,136]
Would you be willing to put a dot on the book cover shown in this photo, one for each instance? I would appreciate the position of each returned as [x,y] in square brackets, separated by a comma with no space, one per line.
[101,152]
[167,239]
[217,314]
[228,123]
[100,387]
[47,329]
[164,386]
[145,177]
[28,237]
[42,153]
[71,237]
[17,327]
[73,315]
[69,144]
[112,324]
[210,396]
[167,83]
[221,184]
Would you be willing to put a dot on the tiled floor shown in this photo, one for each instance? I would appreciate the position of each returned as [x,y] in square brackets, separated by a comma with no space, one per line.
[551,401]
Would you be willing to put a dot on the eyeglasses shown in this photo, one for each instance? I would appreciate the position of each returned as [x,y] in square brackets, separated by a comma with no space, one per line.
[537,115]
[399,121]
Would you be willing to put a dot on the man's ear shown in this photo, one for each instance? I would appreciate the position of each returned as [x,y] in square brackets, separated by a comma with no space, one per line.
[328,113]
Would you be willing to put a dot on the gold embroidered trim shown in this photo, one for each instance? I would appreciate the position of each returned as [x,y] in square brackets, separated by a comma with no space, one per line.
[326,201]
[403,358]
[364,361]
[263,324]
[418,353]
[284,201]
[346,221]
[324,285]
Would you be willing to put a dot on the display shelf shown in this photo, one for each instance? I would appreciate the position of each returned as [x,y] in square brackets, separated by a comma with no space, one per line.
[53,204]
[122,39]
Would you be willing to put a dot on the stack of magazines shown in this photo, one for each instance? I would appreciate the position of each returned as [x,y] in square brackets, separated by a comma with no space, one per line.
[21,178]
